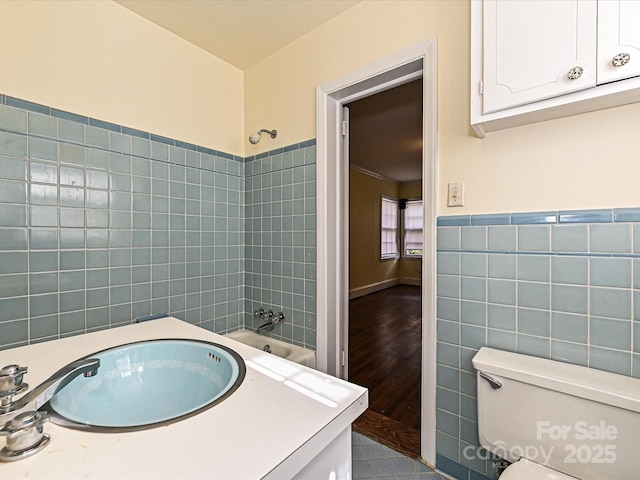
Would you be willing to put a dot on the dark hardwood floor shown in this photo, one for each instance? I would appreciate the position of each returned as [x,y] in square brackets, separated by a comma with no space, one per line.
[385,344]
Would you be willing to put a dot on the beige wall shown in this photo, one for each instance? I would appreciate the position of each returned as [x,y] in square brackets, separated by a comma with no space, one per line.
[585,161]
[98,59]
[410,190]
[365,266]
[410,269]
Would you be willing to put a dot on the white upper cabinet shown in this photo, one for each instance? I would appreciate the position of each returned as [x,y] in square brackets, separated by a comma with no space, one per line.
[537,49]
[618,40]
[533,60]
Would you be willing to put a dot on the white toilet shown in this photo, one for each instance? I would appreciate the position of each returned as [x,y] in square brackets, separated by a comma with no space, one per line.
[557,421]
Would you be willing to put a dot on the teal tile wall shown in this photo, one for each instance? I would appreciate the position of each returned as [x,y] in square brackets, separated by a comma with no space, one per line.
[558,285]
[101,224]
[280,239]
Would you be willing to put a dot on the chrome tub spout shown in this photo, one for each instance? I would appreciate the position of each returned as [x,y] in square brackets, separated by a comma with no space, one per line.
[266,327]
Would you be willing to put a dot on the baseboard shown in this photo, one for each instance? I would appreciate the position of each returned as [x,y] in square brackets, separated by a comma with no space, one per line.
[372,288]
[376,287]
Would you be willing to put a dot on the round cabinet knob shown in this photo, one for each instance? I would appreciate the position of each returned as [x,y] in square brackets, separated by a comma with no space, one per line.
[620,59]
[575,72]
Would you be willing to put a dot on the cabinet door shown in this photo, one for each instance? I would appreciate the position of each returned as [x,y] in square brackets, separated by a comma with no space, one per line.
[618,36]
[529,48]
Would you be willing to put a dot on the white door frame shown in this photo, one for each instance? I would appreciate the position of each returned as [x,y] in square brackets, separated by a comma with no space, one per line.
[400,68]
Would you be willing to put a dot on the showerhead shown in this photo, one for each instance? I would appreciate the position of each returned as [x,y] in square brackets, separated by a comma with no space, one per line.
[253,139]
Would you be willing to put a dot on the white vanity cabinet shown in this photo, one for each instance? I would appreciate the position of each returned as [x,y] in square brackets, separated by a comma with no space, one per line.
[285,421]
[534,60]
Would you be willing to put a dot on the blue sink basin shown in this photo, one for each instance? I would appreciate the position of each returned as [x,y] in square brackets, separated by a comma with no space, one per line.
[147,384]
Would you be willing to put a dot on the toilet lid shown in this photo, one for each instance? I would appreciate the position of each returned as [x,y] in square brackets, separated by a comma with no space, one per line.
[525,469]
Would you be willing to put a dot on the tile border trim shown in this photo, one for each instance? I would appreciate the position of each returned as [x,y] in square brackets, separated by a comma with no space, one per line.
[280,150]
[541,253]
[609,215]
[26,105]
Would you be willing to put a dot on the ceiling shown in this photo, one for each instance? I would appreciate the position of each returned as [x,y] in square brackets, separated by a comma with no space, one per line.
[385,133]
[240,32]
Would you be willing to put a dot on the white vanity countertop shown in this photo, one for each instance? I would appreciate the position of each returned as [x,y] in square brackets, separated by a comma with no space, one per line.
[268,428]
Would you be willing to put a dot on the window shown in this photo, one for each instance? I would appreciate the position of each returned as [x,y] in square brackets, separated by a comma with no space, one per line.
[389,229]
[412,232]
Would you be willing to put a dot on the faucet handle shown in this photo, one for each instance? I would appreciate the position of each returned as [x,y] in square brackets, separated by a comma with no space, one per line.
[25,436]
[258,313]
[23,421]
[11,376]
[268,315]
[11,382]
[278,318]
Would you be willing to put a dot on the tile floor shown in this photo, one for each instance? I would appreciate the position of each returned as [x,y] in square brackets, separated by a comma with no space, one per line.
[372,461]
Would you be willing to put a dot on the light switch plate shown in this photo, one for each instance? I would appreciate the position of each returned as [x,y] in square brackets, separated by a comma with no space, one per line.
[455,197]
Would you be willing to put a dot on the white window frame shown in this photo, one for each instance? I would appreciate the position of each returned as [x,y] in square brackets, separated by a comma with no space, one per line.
[404,227]
[391,202]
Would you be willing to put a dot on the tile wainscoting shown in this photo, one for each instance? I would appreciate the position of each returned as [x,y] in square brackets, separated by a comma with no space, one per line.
[102,224]
[561,285]
[280,240]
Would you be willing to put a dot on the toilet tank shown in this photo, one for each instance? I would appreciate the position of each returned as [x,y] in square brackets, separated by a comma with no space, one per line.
[581,421]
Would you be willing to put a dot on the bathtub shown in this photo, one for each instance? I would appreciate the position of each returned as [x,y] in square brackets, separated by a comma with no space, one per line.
[291,352]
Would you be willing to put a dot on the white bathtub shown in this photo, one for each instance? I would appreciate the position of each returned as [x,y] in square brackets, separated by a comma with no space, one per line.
[282,349]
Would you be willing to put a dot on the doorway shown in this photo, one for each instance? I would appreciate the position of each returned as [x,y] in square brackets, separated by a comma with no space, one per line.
[385,252]
[332,286]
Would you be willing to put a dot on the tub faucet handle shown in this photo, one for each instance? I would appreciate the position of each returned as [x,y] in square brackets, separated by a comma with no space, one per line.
[278,318]
[258,313]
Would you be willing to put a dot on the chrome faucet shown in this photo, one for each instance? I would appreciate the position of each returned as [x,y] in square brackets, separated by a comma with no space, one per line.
[272,319]
[11,384]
